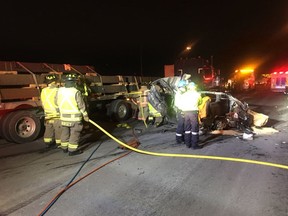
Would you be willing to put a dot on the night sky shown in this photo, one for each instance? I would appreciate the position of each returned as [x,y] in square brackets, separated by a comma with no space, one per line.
[116,36]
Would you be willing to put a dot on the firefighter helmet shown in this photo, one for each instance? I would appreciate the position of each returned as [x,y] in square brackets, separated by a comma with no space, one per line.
[191,86]
[182,83]
[71,77]
[50,78]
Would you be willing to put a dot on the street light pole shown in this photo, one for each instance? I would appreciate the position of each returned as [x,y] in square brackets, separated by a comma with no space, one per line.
[211,57]
[141,61]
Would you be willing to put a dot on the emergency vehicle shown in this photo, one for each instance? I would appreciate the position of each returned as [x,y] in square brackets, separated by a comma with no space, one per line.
[279,81]
[201,70]
[243,79]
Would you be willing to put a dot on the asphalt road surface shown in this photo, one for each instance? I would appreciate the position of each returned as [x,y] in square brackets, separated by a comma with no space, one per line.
[141,184]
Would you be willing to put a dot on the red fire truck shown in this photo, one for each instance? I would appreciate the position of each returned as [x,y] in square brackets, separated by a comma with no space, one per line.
[243,79]
[201,70]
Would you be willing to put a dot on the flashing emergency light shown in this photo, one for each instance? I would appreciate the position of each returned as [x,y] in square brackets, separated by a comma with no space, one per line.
[280,72]
[207,78]
[247,71]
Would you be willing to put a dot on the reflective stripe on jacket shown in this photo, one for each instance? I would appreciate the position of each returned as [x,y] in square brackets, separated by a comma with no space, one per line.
[71,104]
[48,99]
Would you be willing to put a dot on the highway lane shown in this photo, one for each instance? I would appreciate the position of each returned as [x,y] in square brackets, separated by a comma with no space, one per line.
[140,184]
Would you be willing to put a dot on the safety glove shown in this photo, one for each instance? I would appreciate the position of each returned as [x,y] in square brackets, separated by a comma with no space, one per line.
[86,118]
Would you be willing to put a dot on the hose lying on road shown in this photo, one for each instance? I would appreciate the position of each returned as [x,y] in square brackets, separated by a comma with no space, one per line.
[72,182]
[189,155]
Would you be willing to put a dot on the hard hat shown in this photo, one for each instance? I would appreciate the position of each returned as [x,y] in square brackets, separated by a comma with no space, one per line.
[50,78]
[181,84]
[71,77]
[191,85]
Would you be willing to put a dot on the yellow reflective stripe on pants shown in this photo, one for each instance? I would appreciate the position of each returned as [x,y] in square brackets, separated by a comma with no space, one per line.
[64,145]
[72,147]
[48,140]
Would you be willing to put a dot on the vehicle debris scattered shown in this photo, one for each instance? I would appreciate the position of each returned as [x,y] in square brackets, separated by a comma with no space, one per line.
[221,112]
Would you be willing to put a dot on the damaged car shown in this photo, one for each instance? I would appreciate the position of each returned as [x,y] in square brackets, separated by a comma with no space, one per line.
[218,111]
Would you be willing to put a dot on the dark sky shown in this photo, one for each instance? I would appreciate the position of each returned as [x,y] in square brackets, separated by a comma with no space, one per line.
[116,36]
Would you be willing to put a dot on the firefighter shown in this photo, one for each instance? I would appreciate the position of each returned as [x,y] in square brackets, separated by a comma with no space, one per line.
[181,88]
[85,90]
[154,117]
[72,111]
[52,134]
[188,102]
[82,86]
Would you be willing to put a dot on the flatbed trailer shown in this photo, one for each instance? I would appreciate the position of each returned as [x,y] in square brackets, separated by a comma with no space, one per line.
[21,113]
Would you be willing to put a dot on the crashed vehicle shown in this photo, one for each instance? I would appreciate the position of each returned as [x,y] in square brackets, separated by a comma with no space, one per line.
[219,110]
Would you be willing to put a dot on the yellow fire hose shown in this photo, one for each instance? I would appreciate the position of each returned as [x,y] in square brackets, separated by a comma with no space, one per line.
[189,155]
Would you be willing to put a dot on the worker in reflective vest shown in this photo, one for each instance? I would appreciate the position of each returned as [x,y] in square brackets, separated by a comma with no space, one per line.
[181,89]
[72,111]
[188,103]
[52,134]
[154,118]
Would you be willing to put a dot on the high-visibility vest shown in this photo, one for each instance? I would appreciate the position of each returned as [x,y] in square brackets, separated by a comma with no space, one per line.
[188,101]
[48,99]
[68,106]
[203,107]
[152,111]
[177,100]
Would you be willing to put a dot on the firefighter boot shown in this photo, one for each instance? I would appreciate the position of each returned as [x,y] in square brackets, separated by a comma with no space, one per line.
[187,139]
[197,147]
[65,150]
[77,152]
[50,145]
[179,139]
[195,140]
[195,144]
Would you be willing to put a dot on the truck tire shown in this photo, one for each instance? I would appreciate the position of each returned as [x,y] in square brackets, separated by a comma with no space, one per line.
[120,110]
[4,130]
[24,126]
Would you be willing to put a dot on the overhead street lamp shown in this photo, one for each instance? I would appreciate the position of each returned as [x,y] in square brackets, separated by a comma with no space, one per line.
[185,52]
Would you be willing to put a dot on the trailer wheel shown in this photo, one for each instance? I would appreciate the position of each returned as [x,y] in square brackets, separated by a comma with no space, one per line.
[120,110]
[4,130]
[24,126]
